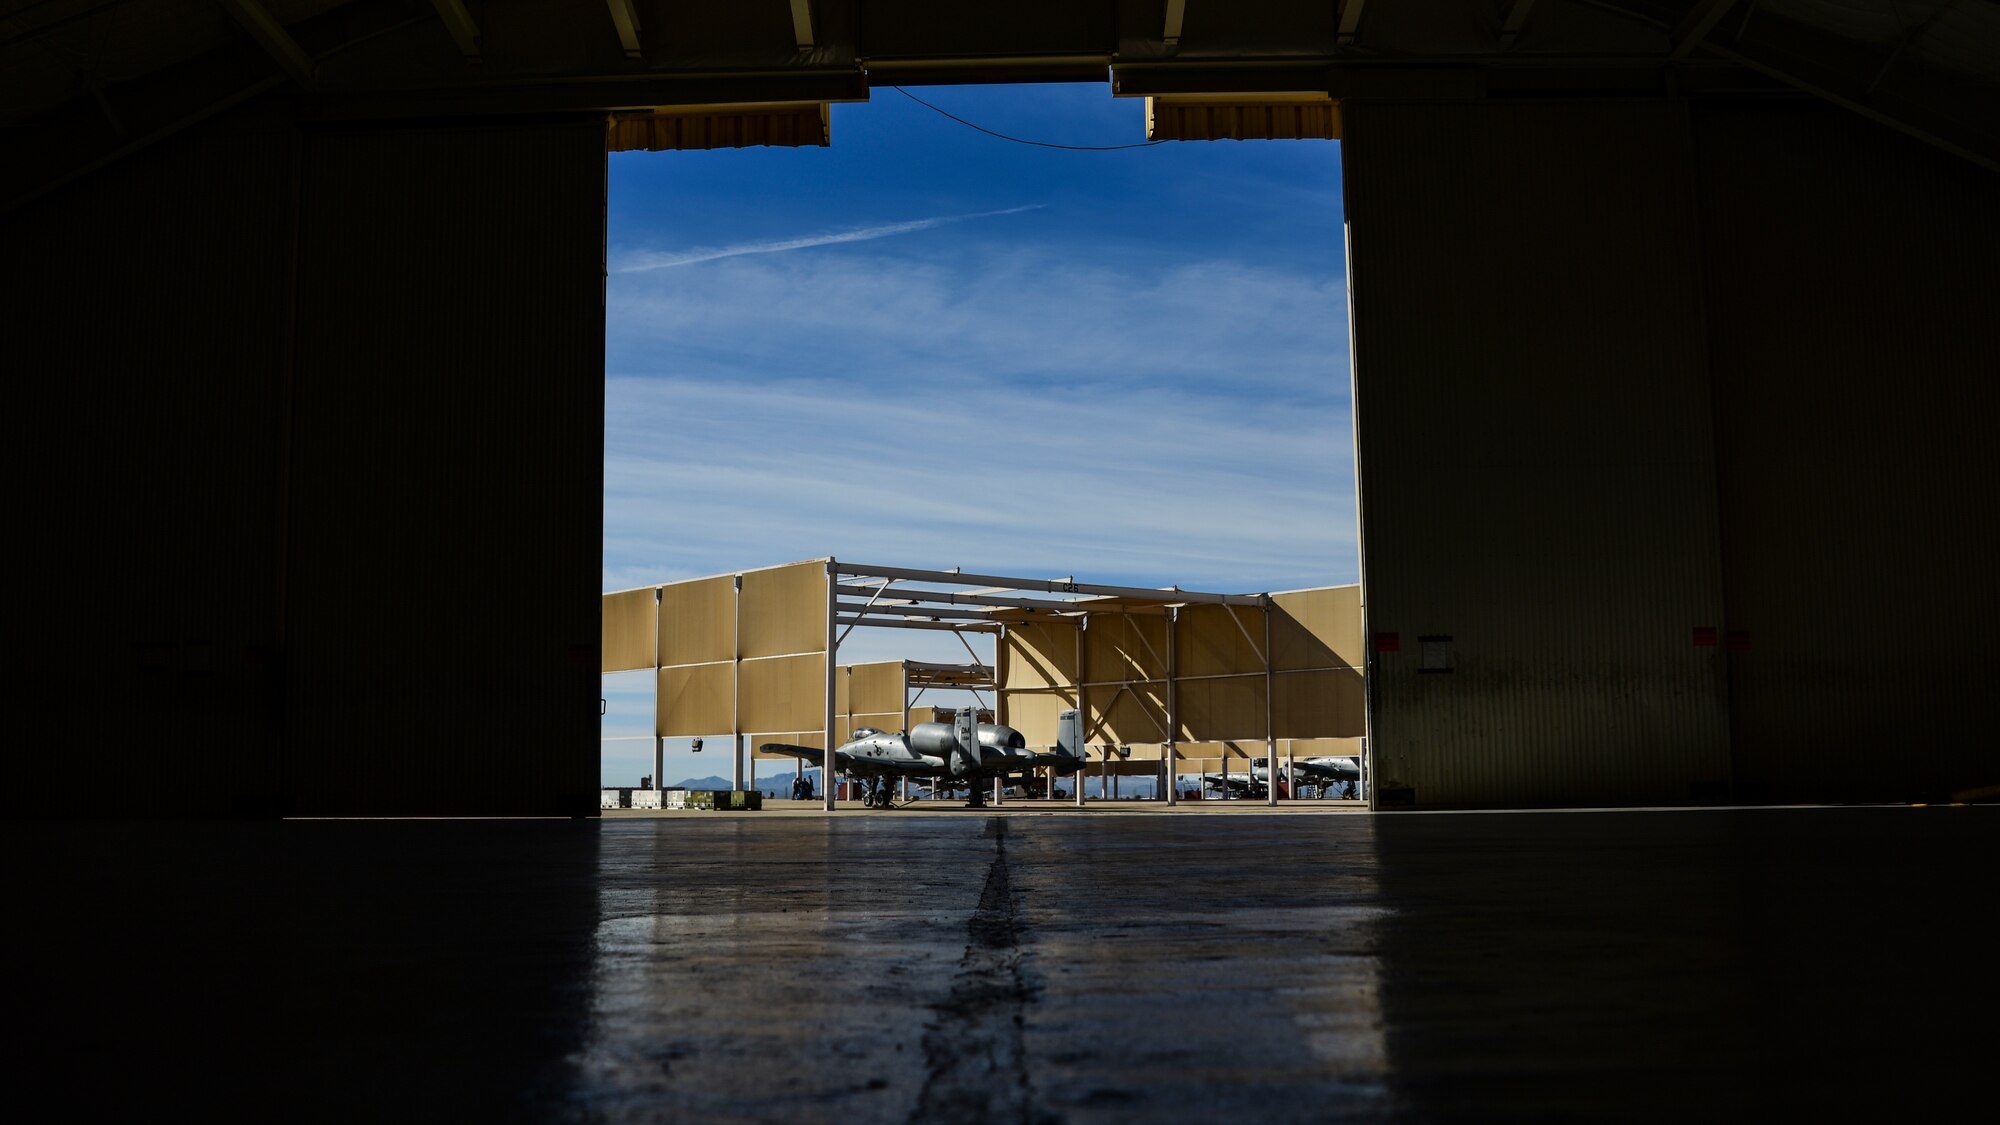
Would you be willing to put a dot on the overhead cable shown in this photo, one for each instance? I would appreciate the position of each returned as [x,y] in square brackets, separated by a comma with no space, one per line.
[1021,140]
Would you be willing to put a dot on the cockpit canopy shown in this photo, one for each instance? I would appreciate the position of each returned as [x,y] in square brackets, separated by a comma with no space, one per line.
[865,732]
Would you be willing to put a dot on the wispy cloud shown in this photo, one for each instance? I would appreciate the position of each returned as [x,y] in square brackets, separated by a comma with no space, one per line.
[658,261]
[1042,321]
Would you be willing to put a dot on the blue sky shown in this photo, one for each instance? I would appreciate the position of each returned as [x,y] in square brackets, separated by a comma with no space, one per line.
[928,347]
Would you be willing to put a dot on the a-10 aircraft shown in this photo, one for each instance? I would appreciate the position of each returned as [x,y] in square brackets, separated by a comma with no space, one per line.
[1322,770]
[958,753]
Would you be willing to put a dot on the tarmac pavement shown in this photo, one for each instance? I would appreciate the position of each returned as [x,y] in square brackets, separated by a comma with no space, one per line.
[1035,966]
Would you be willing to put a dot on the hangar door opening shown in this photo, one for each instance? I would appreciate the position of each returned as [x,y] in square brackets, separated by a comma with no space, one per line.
[992,328]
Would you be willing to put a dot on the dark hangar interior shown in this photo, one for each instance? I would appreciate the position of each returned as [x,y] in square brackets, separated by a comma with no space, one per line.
[1674,354]
[1673,349]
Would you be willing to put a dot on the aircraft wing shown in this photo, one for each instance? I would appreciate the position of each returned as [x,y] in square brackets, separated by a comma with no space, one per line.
[1217,780]
[851,763]
[811,754]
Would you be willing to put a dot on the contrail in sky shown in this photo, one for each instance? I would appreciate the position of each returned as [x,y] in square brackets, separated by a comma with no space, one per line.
[642,262]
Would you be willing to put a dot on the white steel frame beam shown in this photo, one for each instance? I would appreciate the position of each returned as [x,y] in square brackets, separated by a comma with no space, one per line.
[962,626]
[1167,596]
[948,597]
[857,609]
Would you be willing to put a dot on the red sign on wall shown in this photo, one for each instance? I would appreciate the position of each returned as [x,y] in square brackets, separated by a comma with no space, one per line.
[1388,642]
[1704,636]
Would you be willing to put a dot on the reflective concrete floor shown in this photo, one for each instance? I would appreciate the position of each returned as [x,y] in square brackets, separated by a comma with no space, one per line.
[1318,966]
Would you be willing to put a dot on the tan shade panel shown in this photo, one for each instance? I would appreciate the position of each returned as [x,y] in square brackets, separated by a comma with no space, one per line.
[1034,714]
[1207,643]
[1318,628]
[785,693]
[940,715]
[1320,704]
[1318,747]
[814,739]
[628,637]
[696,700]
[1211,710]
[1120,715]
[891,721]
[784,610]
[1211,753]
[698,621]
[1040,655]
[875,689]
[1124,647]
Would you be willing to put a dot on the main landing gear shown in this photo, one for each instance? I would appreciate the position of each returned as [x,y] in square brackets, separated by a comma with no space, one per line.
[879,794]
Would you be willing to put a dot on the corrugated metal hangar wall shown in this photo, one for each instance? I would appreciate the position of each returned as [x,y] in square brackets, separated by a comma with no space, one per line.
[293,385]
[1668,421]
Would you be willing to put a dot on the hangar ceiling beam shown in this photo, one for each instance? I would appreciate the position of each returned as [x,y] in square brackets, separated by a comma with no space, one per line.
[1986,154]
[1350,21]
[464,29]
[1176,13]
[39,30]
[1817,62]
[626,18]
[273,37]
[1517,15]
[1694,27]
[802,24]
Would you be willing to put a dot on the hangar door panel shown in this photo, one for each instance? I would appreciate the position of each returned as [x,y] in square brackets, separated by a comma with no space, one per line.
[1855,398]
[427,307]
[1534,438]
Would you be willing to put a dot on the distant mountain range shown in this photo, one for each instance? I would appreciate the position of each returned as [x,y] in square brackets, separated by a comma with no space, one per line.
[780,786]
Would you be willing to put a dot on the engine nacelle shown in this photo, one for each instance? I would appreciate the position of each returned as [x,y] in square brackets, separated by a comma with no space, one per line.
[997,745]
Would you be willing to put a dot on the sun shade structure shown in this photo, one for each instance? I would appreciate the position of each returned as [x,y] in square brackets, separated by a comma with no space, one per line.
[756,654]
